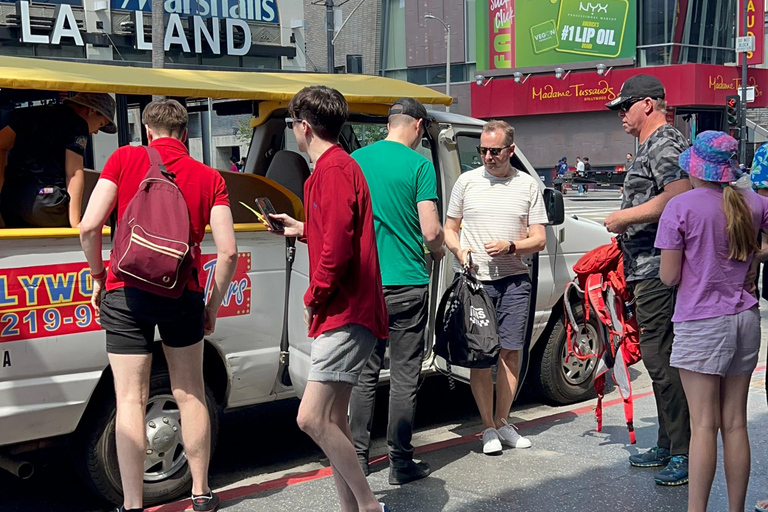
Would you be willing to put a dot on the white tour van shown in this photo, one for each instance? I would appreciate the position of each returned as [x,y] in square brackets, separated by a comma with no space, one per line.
[55,381]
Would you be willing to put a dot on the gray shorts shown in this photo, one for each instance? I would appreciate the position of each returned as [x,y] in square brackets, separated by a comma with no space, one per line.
[725,345]
[339,355]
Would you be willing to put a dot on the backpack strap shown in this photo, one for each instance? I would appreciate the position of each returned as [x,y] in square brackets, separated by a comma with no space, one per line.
[156,162]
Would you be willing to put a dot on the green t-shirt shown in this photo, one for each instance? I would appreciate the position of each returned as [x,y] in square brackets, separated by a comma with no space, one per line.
[398,178]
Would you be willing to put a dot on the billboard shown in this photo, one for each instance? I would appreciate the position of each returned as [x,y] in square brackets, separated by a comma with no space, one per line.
[528,33]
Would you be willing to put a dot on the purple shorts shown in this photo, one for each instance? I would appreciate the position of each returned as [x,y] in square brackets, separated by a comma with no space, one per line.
[724,345]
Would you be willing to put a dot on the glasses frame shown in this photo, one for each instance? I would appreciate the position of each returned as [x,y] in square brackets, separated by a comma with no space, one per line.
[493,151]
[625,106]
[290,120]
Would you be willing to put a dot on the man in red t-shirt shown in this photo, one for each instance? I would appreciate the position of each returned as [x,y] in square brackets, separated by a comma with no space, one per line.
[344,306]
[130,315]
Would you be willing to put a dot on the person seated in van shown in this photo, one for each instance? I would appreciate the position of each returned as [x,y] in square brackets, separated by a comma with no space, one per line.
[41,160]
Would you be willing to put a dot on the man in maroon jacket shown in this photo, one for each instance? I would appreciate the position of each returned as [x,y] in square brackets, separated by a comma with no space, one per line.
[344,307]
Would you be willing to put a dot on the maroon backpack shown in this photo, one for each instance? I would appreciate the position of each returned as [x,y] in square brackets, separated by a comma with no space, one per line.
[153,248]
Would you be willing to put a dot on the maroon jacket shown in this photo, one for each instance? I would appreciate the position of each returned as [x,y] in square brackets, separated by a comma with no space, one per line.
[344,275]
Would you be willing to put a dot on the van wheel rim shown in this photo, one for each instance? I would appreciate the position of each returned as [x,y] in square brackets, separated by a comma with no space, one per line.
[578,371]
[165,448]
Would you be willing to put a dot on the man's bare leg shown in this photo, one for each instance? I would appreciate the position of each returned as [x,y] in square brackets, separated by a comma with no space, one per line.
[481,382]
[506,384]
[131,376]
[315,418]
[186,368]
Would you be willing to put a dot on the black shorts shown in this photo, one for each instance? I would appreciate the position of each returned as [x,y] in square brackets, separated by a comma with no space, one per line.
[130,315]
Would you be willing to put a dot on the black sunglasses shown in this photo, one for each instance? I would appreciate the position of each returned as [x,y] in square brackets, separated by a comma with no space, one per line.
[493,151]
[628,104]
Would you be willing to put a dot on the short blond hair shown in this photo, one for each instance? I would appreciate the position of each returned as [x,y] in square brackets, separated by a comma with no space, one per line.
[497,125]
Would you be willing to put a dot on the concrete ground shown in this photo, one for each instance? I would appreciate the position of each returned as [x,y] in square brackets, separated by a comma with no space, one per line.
[569,468]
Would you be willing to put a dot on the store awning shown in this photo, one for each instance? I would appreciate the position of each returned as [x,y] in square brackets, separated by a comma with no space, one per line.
[53,75]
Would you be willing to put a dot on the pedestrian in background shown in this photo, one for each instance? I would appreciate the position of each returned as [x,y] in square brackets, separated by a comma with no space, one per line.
[403,189]
[233,167]
[130,315]
[716,320]
[344,307]
[496,212]
[654,178]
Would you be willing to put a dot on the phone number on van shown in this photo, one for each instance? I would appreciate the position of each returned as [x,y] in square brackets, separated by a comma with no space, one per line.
[54,300]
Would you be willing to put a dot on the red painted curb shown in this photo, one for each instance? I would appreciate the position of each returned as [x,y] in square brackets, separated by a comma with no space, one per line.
[279,483]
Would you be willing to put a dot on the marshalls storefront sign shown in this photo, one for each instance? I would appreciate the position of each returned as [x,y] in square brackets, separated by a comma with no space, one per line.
[206,19]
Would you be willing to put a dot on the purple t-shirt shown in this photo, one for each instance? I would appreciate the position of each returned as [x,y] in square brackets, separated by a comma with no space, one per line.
[711,285]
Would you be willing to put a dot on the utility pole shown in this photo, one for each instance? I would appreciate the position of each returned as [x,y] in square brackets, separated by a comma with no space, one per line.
[158,36]
[329,34]
[743,135]
[447,28]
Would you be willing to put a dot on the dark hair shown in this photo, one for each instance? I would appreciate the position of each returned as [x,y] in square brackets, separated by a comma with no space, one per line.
[166,116]
[233,159]
[324,108]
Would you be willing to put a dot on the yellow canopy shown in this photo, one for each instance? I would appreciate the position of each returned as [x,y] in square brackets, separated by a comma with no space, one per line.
[52,75]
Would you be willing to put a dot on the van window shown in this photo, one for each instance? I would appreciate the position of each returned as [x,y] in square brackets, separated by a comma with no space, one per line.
[469,158]
[358,135]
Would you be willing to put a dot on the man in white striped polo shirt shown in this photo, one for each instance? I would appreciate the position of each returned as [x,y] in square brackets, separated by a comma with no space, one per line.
[497,213]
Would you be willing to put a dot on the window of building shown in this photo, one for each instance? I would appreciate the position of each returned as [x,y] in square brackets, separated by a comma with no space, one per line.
[470,30]
[394,34]
[702,33]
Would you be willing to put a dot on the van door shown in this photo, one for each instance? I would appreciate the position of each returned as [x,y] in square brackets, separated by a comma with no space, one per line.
[458,154]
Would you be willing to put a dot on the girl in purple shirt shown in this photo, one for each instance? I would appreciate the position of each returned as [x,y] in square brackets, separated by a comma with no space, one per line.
[708,237]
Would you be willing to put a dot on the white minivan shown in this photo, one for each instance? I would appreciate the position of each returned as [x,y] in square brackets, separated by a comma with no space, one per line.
[55,381]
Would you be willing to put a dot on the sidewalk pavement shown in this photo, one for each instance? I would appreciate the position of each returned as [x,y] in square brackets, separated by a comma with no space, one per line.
[569,468]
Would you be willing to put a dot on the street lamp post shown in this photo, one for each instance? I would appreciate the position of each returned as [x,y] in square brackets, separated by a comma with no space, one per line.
[447,56]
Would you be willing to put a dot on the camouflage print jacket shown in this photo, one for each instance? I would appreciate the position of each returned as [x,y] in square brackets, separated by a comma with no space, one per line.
[654,167]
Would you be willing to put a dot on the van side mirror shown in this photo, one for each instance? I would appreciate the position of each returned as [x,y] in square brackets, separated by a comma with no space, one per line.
[553,202]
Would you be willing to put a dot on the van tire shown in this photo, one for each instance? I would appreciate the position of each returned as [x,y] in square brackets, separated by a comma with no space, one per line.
[95,453]
[549,374]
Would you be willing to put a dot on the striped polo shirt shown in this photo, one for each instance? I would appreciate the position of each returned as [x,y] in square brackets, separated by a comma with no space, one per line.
[494,208]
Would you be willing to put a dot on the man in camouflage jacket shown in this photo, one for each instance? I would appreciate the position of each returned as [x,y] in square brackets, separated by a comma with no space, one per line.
[653,178]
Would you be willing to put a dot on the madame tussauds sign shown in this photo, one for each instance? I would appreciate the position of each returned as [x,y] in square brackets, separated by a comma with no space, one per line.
[206,19]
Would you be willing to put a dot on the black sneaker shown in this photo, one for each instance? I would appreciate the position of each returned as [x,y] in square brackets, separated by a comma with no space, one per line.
[653,458]
[676,472]
[205,503]
[403,474]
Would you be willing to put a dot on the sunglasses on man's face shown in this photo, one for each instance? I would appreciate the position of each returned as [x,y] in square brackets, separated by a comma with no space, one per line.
[493,151]
[290,120]
[628,104]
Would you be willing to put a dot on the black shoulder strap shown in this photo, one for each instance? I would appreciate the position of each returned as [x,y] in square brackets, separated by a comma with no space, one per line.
[290,255]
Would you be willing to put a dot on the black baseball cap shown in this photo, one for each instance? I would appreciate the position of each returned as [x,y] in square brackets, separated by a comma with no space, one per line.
[638,86]
[410,107]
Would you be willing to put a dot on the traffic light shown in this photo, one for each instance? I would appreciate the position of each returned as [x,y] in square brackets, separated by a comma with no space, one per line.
[733,111]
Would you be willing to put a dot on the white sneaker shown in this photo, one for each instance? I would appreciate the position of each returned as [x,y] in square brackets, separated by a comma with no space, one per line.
[509,436]
[491,442]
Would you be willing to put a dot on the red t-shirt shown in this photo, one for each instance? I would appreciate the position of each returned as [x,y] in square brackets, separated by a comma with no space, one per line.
[344,276]
[202,187]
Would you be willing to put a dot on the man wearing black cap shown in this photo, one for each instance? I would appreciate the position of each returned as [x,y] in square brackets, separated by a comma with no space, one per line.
[42,178]
[653,178]
[403,189]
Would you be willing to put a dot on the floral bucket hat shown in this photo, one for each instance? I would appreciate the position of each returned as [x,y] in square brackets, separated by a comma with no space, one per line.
[712,157]
[759,174]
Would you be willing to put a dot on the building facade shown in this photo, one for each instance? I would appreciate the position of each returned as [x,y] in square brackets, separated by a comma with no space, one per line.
[263,35]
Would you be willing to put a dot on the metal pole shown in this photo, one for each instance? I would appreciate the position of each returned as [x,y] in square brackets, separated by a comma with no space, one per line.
[329,34]
[158,36]
[743,135]
[448,65]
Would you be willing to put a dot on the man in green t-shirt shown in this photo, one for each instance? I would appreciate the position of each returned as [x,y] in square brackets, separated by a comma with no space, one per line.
[404,195]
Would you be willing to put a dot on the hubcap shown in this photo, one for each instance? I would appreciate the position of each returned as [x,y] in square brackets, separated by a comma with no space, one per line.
[578,371]
[165,448]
